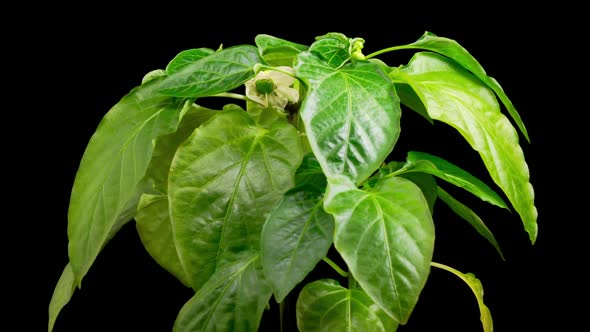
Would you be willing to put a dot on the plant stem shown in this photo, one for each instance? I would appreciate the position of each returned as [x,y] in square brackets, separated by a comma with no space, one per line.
[230,95]
[282,315]
[385,50]
[335,267]
[351,281]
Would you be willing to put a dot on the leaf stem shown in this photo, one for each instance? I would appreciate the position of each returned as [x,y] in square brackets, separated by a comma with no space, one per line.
[385,50]
[335,267]
[230,95]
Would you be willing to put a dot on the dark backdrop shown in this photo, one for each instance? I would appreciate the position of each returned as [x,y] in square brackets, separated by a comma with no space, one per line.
[91,59]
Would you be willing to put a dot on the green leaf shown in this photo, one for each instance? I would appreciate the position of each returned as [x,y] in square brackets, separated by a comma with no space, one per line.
[333,48]
[224,181]
[468,215]
[186,58]
[276,51]
[454,96]
[386,237]
[166,146]
[427,163]
[351,116]
[232,300]
[219,72]
[105,194]
[477,289]
[155,231]
[61,295]
[457,53]
[324,305]
[298,232]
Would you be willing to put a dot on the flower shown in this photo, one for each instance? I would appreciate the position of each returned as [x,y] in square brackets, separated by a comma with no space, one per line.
[273,88]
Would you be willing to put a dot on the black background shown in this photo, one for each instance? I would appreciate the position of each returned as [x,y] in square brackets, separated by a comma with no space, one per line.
[85,62]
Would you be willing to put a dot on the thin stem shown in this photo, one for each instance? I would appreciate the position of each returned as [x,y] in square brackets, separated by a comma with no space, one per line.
[385,50]
[335,267]
[264,67]
[351,281]
[444,267]
[230,95]
[282,315]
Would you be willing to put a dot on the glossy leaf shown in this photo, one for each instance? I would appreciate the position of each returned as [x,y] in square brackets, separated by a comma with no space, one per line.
[232,300]
[186,58]
[468,215]
[276,51]
[61,295]
[219,72]
[450,48]
[386,237]
[105,195]
[155,231]
[224,181]
[324,305]
[332,48]
[351,116]
[298,232]
[477,289]
[427,163]
[454,96]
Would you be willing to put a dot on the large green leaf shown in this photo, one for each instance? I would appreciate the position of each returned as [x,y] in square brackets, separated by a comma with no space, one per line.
[459,54]
[61,295]
[186,58]
[159,167]
[427,163]
[351,115]
[153,217]
[155,231]
[455,96]
[468,215]
[298,232]
[324,305]
[219,72]
[232,300]
[224,181]
[105,195]
[276,51]
[477,289]
[385,235]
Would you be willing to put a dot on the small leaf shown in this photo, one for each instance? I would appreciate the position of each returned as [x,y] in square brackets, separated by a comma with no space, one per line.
[298,232]
[477,289]
[105,192]
[351,116]
[224,181]
[333,48]
[232,300]
[219,72]
[457,53]
[155,231]
[386,237]
[324,305]
[468,215]
[186,58]
[278,52]
[455,96]
[427,163]
[61,295]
